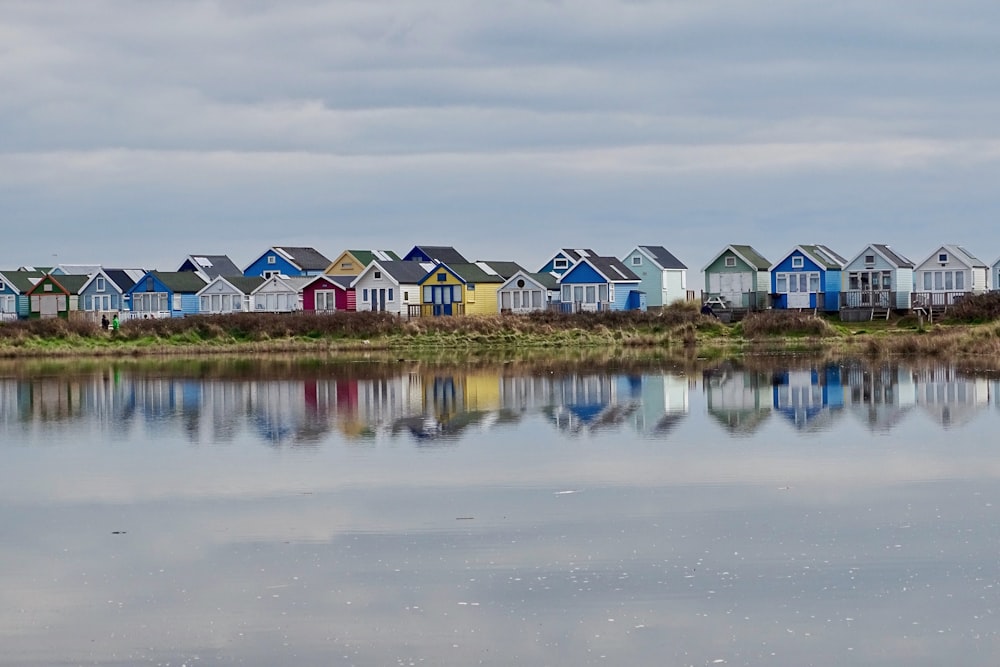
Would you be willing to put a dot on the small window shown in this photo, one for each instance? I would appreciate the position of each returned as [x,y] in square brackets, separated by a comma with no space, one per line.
[869,260]
[442,277]
[347,266]
[149,283]
[271,259]
[377,275]
[943,258]
[47,287]
[99,284]
[390,295]
[637,261]
[797,262]
[471,287]
[406,296]
[520,282]
[2,286]
[730,261]
[561,264]
[364,295]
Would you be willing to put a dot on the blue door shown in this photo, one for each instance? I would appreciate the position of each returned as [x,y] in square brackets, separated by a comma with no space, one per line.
[442,299]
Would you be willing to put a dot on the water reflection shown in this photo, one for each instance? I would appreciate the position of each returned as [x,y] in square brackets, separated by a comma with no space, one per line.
[321,513]
[440,404]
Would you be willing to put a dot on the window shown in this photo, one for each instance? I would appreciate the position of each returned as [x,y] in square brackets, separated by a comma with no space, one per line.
[560,264]
[177,302]
[536,299]
[47,287]
[943,258]
[149,283]
[517,299]
[406,297]
[364,295]
[2,286]
[505,300]
[8,304]
[578,293]
[797,262]
[938,280]
[949,280]
[869,260]
[88,303]
[470,293]
[325,300]
[99,284]
[927,281]
[457,291]
[603,293]
[428,294]
[271,259]
[390,295]
[960,280]
[591,294]
[567,293]
[730,261]
[520,282]
[347,266]
[853,282]
[814,282]
[637,261]
[781,283]
[377,275]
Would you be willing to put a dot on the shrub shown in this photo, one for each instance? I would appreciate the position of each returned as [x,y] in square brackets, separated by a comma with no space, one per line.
[785,323]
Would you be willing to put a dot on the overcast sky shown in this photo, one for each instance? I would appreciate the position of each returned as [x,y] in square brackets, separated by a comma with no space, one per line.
[136,133]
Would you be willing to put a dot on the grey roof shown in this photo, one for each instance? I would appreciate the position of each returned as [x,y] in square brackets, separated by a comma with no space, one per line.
[343,281]
[307,259]
[443,254]
[613,268]
[823,256]
[576,253]
[121,279]
[970,259]
[894,257]
[213,265]
[405,272]
[663,257]
[547,280]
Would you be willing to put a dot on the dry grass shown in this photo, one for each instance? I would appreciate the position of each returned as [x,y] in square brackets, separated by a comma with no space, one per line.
[771,323]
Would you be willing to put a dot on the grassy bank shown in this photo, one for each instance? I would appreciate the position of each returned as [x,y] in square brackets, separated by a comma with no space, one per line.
[677,331]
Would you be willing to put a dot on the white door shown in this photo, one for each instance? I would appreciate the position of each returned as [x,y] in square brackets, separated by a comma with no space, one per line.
[732,287]
[49,306]
[798,290]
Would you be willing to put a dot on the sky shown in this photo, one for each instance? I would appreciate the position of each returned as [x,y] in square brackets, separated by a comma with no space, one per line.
[136,133]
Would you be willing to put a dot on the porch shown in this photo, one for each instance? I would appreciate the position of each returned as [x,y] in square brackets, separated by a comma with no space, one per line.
[434,309]
[861,305]
[935,303]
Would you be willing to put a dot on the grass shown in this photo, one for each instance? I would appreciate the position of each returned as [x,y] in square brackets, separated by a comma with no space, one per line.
[679,330]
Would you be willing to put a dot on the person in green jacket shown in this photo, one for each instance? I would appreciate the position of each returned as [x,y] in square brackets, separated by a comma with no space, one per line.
[114,323]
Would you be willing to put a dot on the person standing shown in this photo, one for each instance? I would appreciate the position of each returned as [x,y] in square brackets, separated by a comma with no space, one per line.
[114,323]
[104,322]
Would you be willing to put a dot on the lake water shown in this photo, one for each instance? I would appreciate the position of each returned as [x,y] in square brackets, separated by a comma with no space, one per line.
[305,513]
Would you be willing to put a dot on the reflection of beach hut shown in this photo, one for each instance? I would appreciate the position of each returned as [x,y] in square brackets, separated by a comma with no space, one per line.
[662,403]
[738,399]
[808,398]
[880,395]
[949,398]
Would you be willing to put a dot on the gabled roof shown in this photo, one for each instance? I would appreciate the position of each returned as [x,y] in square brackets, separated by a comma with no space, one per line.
[366,257]
[179,281]
[76,269]
[243,284]
[821,255]
[212,266]
[504,269]
[971,259]
[894,258]
[292,283]
[22,281]
[70,283]
[576,254]
[745,252]
[307,259]
[545,280]
[474,273]
[662,257]
[440,253]
[611,269]
[402,272]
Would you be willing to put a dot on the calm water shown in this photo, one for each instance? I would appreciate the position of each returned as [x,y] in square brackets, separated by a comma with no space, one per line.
[306,514]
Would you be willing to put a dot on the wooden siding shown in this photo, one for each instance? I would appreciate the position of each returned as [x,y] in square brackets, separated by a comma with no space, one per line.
[369,283]
[260,265]
[337,268]
[482,300]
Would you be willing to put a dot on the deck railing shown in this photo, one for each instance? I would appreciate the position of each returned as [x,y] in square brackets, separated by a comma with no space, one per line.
[868,299]
[754,300]
[428,310]
[936,300]
[8,317]
[145,315]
